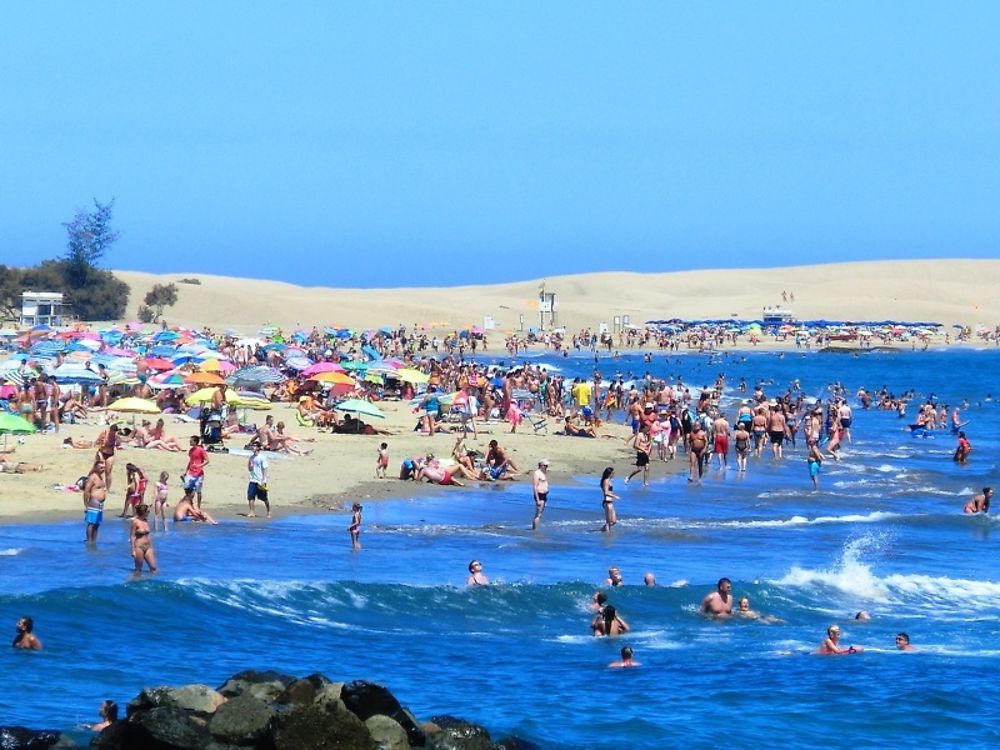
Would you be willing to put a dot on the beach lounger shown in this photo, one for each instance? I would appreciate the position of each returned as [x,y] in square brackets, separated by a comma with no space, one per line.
[539,423]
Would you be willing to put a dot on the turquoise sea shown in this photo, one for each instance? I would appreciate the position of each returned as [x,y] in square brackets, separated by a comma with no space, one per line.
[885,533]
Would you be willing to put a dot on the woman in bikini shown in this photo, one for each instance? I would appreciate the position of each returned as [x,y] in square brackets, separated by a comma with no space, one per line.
[142,544]
[160,503]
[608,501]
[106,444]
[136,489]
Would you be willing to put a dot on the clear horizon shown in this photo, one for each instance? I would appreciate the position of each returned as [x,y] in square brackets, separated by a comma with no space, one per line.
[400,145]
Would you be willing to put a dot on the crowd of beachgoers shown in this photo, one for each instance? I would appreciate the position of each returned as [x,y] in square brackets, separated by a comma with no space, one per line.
[335,382]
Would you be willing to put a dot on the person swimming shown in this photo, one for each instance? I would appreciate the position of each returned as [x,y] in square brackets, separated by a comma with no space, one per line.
[626,661]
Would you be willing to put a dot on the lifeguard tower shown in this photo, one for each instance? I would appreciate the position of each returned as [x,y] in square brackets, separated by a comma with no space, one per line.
[41,308]
[546,307]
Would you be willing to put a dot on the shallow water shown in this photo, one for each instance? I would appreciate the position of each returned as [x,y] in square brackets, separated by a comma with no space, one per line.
[885,533]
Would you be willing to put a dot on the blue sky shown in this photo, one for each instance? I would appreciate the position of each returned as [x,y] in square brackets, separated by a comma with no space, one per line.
[416,144]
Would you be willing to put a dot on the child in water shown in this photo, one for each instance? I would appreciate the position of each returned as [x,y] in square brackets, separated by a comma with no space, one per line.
[382,461]
[160,503]
[355,527]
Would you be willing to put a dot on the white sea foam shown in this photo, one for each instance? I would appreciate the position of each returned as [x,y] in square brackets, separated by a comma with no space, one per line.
[854,577]
[874,517]
[11,552]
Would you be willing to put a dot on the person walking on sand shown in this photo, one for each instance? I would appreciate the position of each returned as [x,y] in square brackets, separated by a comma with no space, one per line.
[382,461]
[643,449]
[257,486]
[355,528]
[540,489]
[194,475]
[141,541]
[106,443]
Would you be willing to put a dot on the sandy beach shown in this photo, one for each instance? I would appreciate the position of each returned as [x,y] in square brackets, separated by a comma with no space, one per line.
[339,471]
[341,468]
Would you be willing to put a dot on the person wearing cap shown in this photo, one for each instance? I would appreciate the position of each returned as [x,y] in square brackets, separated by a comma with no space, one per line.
[831,644]
[540,488]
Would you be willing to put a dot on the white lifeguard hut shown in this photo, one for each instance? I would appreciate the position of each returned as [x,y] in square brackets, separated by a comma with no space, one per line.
[41,308]
[546,307]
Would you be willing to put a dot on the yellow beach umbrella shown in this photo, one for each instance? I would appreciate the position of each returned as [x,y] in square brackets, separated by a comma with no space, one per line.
[205,395]
[409,375]
[135,406]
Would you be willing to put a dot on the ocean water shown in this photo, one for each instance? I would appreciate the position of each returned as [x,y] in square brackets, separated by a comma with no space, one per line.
[885,533]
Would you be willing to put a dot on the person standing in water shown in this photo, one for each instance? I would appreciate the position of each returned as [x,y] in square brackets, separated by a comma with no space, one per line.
[141,542]
[540,489]
[476,575]
[355,528]
[608,503]
[626,660]
[831,644]
[94,494]
[25,638]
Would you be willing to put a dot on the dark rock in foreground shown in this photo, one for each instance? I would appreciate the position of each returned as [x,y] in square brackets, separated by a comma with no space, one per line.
[22,738]
[272,711]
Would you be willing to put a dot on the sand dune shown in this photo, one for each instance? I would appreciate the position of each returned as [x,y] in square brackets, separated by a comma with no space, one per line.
[947,291]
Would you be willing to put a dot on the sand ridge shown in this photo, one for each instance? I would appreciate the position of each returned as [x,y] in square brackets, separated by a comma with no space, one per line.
[944,291]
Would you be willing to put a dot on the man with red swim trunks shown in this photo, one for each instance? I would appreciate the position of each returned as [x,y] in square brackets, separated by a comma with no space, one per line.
[720,429]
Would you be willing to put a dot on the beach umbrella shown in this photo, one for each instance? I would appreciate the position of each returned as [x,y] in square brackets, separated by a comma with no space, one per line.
[204,378]
[256,375]
[354,364]
[206,394]
[13,423]
[135,405]
[322,367]
[409,375]
[358,406]
[333,378]
[159,364]
[167,380]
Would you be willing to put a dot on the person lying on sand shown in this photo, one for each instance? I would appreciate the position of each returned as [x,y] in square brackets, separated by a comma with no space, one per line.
[18,467]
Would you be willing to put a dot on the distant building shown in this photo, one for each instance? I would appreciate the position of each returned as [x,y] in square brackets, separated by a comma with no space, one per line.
[41,308]
[776,316]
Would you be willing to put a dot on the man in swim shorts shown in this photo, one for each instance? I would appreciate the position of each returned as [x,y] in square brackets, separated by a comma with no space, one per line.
[94,494]
[540,489]
[720,446]
[776,429]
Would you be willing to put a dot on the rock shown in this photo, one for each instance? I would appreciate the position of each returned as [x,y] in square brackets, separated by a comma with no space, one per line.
[264,686]
[22,738]
[366,699]
[197,698]
[242,720]
[158,728]
[316,728]
[329,697]
[515,743]
[458,734]
[308,690]
[387,733]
